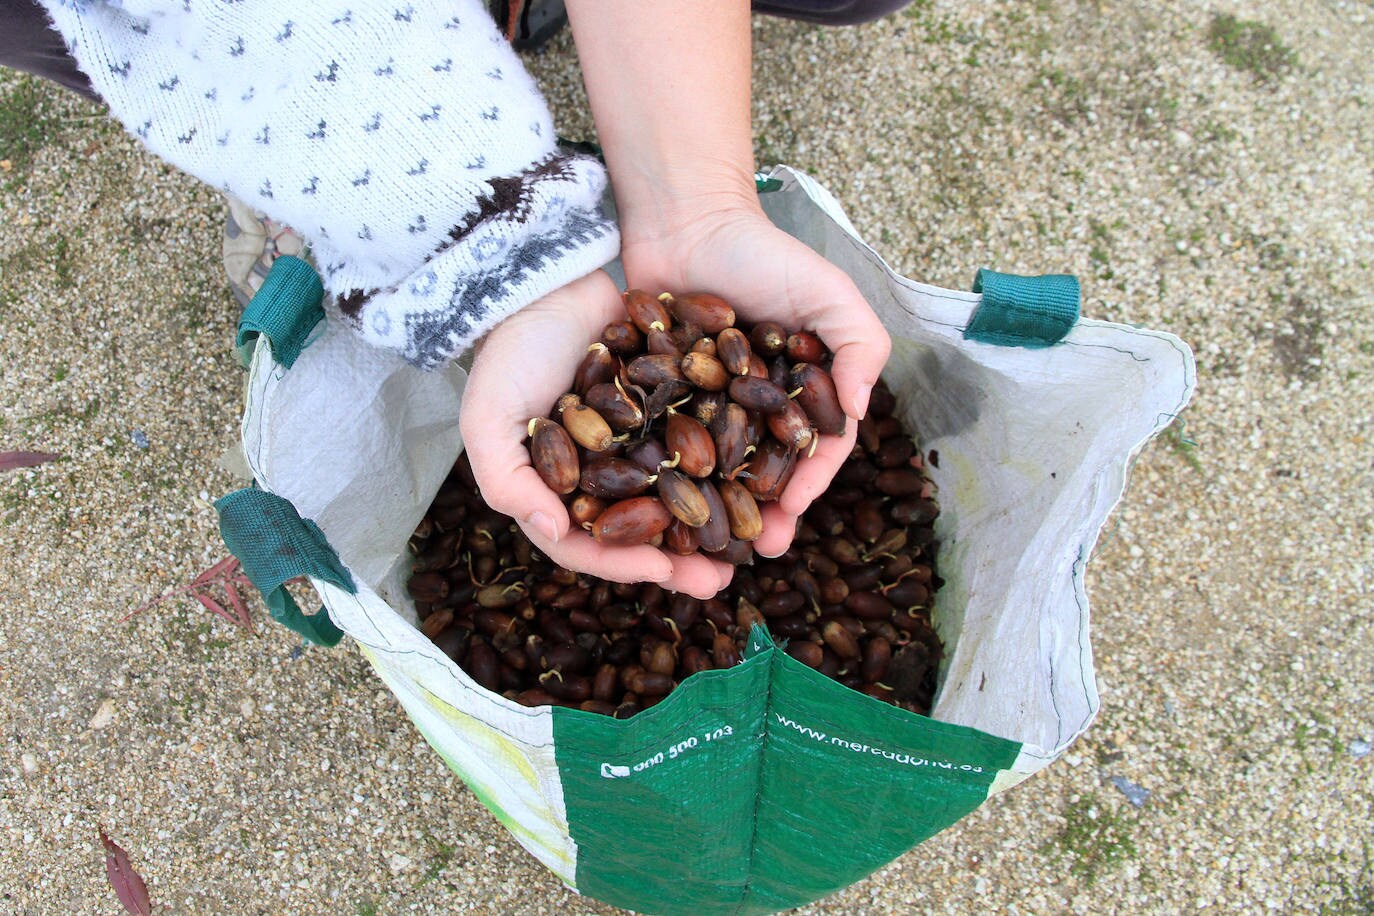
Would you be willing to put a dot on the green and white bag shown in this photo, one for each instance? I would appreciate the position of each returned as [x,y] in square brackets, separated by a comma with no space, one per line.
[767,785]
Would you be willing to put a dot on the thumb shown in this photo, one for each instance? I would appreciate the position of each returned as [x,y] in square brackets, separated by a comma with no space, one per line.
[493,424]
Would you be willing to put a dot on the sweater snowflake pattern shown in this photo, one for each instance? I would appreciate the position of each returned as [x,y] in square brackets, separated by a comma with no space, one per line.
[402,138]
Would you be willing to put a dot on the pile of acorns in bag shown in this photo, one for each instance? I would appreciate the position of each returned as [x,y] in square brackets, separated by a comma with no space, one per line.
[677,426]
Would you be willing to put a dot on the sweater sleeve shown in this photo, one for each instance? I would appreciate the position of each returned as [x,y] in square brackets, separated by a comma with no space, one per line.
[403,140]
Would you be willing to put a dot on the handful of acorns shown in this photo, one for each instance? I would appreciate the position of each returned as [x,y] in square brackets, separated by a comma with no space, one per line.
[850,597]
[679,424]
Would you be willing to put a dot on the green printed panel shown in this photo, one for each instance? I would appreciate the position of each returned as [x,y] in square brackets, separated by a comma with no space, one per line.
[759,788]
[850,783]
[661,806]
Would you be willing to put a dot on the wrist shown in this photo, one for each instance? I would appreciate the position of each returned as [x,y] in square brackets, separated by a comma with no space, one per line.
[664,209]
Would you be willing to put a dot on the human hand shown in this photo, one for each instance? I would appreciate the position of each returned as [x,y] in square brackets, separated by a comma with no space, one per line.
[766,274]
[521,368]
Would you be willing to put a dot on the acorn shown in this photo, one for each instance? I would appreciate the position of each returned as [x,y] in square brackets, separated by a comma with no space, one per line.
[553,455]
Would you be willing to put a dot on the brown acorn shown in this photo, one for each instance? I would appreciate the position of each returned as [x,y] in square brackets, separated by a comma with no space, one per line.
[736,552]
[805,347]
[732,349]
[584,508]
[768,338]
[868,437]
[622,337]
[881,402]
[681,538]
[648,454]
[431,587]
[792,426]
[730,432]
[683,498]
[876,657]
[818,398]
[869,606]
[631,521]
[654,368]
[587,427]
[645,310]
[868,520]
[704,371]
[553,455]
[715,534]
[597,366]
[572,688]
[758,394]
[770,470]
[707,405]
[614,478]
[724,654]
[914,511]
[712,313]
[651,683]
[692,443]
[808,653]
[895,452]
[840,640]
[898,482]
[782,604]
[740,508]
[694,660]
[661,342]
[616,406]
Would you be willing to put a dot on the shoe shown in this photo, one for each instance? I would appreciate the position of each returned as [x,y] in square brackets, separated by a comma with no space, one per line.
[251,243]
[528,24]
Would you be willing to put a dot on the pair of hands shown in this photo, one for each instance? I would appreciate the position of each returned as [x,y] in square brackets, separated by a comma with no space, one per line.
[526,362]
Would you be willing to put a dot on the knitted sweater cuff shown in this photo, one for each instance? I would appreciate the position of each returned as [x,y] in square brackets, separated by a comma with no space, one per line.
[536,231]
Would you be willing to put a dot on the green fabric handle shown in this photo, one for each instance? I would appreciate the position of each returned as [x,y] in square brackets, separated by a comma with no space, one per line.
[1028,312]
[274,545]
[286,309]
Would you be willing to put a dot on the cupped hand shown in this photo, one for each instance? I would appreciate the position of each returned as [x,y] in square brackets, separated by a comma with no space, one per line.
[521,368]
[766,274]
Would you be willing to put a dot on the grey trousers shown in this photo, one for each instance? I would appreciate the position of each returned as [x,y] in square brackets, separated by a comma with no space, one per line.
[28,43]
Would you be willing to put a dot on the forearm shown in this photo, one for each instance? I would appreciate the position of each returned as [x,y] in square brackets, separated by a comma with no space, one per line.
[409,148]
[668,82]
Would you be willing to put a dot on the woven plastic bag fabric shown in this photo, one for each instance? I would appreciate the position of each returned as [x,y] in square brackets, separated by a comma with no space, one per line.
[768,785]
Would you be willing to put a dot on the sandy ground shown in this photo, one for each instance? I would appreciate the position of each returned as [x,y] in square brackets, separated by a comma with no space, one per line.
[1196,182]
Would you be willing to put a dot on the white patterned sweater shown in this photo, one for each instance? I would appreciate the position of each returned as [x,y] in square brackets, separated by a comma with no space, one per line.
[401,138]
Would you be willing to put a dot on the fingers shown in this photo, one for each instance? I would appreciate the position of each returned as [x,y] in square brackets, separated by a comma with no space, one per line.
[502,394]
[858,341]
[493,428]
[814,474]
[779,527]
[698,576]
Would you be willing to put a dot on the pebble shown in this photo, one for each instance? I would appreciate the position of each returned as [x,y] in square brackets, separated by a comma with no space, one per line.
[104,714]
[1135,794]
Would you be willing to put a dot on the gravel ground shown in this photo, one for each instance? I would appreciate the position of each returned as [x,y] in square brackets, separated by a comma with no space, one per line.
[1201,175]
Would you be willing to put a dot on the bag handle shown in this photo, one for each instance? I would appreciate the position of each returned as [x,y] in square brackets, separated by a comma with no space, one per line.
[274,545]
[1018,311]
[285,308]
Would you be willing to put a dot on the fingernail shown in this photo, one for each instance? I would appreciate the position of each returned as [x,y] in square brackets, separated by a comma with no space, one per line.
[543,524]
[861,396]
